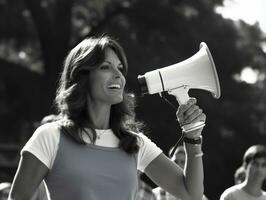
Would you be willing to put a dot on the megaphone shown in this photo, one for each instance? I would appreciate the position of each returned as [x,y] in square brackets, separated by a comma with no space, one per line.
[196,72]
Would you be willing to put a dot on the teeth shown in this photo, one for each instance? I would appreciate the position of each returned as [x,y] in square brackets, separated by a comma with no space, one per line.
[115,86]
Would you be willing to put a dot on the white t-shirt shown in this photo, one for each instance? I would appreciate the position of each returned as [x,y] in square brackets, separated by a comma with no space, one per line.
[45,141]
[237,193]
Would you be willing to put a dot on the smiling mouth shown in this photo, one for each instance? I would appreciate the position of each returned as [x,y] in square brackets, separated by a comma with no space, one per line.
[114,86]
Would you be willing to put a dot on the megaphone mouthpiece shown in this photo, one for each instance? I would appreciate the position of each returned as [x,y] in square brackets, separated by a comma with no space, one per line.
[142,84]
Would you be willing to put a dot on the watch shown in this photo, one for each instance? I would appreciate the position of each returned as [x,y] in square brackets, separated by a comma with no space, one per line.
[195,141]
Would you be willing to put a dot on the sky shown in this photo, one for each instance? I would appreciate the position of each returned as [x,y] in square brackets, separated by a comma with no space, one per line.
[250,11]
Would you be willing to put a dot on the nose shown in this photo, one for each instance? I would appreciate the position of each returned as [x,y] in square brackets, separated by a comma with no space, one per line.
[117,73]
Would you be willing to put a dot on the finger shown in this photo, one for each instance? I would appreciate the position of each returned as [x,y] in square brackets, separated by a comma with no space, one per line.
[190,102]
[184,109]
[193,109]
[201,117]
[197,115]
[192,113]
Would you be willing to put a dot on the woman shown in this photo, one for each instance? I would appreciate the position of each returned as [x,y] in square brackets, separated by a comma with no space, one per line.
[95,149]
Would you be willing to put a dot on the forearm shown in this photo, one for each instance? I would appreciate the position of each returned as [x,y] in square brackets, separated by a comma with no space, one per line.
[194,171]
[16,195]
[20,190]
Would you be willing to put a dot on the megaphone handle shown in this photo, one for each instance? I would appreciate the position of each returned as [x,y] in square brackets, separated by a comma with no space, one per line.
[181,95]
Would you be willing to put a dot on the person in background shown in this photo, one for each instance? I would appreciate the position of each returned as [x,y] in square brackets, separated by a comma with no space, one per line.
[4,190]
[179,157]
[144,191]
[239,175]
[254,163]
[95,148]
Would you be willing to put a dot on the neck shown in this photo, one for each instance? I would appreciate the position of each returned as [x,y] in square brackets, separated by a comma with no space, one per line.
[99,115]
[253,187]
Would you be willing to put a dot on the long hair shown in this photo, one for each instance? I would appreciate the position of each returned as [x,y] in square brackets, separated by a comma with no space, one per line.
[71,98]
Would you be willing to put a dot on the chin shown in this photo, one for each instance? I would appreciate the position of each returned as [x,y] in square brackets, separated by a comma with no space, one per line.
[119,101]
[116,100]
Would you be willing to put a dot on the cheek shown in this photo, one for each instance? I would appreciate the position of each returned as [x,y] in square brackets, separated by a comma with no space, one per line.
[94,81]
[249,169]
[94,87]
[263,170]
[123,80]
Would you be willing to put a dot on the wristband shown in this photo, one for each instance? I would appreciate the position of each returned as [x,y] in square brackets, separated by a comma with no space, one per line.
[198,155]
[196,141]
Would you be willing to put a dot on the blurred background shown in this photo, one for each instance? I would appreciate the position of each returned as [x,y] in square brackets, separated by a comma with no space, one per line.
[35,36]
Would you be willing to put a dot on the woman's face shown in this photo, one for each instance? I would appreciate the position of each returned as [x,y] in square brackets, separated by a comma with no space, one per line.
[106,82]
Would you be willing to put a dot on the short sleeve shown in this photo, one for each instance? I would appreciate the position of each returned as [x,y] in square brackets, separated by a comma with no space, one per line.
[147,152]
[227,195]
[44,143]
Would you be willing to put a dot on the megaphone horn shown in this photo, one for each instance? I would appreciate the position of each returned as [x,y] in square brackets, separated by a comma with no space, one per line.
[196,72]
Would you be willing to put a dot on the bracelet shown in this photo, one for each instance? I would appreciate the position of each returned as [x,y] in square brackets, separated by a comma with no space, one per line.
[195,141]
[198,155]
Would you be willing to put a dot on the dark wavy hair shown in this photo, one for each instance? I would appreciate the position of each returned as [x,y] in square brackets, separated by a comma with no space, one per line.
[254,152]
[71,98]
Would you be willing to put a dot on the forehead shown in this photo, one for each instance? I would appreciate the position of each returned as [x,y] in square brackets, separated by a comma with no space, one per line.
[260,160]
[111,56]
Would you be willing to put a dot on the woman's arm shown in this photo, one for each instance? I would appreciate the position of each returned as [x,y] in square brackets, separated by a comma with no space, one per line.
[31,171]
[168,176]
[187,184]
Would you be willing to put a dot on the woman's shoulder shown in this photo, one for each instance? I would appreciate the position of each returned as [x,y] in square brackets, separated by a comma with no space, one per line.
[48,128]
[142,138]
[44,143]
[139,134]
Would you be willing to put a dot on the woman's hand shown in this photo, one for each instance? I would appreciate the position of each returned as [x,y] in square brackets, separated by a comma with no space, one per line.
[190,113]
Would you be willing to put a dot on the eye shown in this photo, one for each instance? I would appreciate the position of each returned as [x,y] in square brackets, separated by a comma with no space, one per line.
[121,68]
[104,67]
